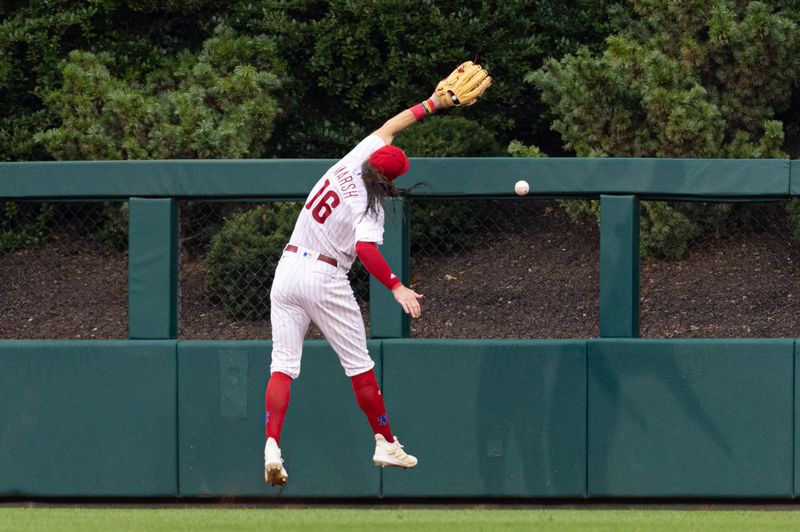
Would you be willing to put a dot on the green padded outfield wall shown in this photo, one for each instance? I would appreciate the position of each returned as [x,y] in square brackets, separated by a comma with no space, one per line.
[796,422]
[502,418]
[674,418]
[607,417]
[153,269]
[326,440]
[88,418]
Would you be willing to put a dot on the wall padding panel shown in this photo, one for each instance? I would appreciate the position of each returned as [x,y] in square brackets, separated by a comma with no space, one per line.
[88,418]
[487,418]
[326,442]
[682,418]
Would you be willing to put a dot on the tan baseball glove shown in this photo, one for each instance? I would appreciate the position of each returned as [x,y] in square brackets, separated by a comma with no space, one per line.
[464,85]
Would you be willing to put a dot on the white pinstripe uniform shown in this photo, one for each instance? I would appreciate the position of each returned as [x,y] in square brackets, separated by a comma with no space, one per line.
[307,289]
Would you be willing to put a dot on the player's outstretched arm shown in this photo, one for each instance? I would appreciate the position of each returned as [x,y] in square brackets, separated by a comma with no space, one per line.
[404,119]
[462,87]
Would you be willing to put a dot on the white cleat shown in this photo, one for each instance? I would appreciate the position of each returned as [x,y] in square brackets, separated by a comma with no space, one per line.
[274,472]
[391,454]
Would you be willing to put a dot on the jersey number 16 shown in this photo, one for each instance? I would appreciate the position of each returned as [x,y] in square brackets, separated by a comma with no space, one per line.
[324,207]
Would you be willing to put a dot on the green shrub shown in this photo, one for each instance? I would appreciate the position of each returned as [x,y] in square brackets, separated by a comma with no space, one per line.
[113,231]
[143,36]
[580,211]
[664,231]
[214,104]
[681,79]
[242,258]
[449,136]
[349,65]
[24,225]
[518,149]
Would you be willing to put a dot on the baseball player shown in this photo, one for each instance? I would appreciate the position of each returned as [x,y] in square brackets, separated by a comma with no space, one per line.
[343,219]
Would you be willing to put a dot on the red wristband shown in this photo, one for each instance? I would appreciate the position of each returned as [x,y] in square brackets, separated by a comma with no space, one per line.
[423,108]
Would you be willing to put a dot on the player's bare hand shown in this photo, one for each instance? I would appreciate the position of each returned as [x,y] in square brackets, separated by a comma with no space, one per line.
[408,299]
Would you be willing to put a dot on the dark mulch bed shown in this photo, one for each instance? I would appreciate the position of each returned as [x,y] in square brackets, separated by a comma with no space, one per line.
[725,288]
[49,294]
[541,282]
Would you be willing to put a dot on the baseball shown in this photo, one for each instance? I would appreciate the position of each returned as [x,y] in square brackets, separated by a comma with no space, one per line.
[521,188]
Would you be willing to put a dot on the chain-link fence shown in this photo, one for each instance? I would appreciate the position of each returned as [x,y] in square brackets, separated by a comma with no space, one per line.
[720,269]
[228,255]
[63,270]
[225,271]
[521,268]
[488,268]
[503,268]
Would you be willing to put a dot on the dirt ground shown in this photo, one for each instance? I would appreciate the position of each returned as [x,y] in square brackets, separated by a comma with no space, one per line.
[46,294]
[539,283]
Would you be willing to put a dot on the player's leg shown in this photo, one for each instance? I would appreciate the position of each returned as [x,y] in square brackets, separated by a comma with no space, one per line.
[338,316]
[388,450]
[370,400]
[276,403]
[289,325]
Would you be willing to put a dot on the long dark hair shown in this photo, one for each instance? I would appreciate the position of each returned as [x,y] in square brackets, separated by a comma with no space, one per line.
[378,188]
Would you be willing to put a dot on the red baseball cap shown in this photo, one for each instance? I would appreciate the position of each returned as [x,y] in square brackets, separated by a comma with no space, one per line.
[389,161]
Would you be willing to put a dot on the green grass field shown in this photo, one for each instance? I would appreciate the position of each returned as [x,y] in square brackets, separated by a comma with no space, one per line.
[169,519]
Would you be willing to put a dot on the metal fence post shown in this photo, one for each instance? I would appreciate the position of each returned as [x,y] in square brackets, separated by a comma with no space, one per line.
[152,269]
[619,266]
[387,319]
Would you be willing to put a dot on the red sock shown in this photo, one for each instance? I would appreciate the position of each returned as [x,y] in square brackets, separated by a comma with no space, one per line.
[371,402]
[276,403]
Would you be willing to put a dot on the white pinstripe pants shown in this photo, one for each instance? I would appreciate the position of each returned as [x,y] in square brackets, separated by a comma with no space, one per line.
[306,289]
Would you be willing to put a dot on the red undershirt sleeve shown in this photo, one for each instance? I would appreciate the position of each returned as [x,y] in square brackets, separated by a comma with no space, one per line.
[370,256]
